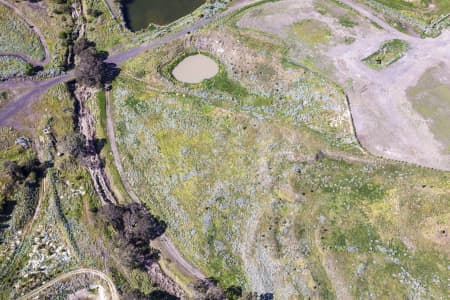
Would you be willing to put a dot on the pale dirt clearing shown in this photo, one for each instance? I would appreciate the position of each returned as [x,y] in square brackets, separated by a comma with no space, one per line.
[195,69]
[386,123]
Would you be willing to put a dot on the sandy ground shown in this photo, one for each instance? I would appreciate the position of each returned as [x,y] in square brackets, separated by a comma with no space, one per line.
[385,121]
[195,69]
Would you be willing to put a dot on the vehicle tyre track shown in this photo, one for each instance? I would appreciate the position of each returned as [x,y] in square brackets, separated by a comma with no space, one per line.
[103,276]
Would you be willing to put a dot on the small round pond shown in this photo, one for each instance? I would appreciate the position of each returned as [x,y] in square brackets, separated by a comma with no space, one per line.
[195,69]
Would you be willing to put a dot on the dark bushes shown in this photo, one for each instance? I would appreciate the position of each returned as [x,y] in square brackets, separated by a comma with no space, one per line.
[135,227]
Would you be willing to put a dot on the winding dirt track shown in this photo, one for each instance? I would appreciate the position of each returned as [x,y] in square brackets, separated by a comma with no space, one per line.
[103,276]
[9,110]
[37,88]
[163,243]
[36,30]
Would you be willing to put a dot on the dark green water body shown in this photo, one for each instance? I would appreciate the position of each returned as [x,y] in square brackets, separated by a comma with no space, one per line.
[140,13]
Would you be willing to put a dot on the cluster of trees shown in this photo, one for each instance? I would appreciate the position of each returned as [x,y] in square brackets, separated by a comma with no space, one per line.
[91,68]
[73,144]
[31,70]
[134,227]
[209,289]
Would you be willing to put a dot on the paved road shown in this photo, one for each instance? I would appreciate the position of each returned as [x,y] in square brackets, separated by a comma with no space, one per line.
[103,276]
[36,30]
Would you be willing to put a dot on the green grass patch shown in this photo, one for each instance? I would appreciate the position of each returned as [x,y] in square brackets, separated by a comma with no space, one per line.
[390,52]
[311,32]
[347,21]
[431,99]
[11,67]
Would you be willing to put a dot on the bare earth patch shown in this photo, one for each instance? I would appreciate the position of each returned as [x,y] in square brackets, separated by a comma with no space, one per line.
[386,122]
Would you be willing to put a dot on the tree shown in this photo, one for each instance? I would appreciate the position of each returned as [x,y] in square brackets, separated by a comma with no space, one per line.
[90,68]
[140,225]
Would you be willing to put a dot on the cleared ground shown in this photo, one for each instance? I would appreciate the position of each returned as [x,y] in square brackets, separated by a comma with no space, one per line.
[386,123]
[430,97]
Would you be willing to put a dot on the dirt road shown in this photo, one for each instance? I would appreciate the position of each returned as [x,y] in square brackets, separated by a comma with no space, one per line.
[163,243]
[38,88]
[112,288]
[38,33]
[385,121]
[10,109]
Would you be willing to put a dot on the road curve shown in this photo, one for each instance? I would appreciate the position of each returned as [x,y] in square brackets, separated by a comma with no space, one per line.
[8,111]
[103,276]
[120,58]
[163,243]
[11,108]
[20,56]
[36,30]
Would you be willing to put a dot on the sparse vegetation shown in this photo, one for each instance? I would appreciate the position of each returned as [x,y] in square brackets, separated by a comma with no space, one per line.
[11,67]
[312,32]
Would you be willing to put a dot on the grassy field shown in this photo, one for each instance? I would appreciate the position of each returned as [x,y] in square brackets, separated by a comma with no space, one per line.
[262,194]
[312,32]
[419,8]
[17,37]
[389,53]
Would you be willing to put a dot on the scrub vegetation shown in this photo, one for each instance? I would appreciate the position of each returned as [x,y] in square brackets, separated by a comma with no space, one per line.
[51,222]
[11,66]
[265,188]
[427,18]
[256,174]
[17,37]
